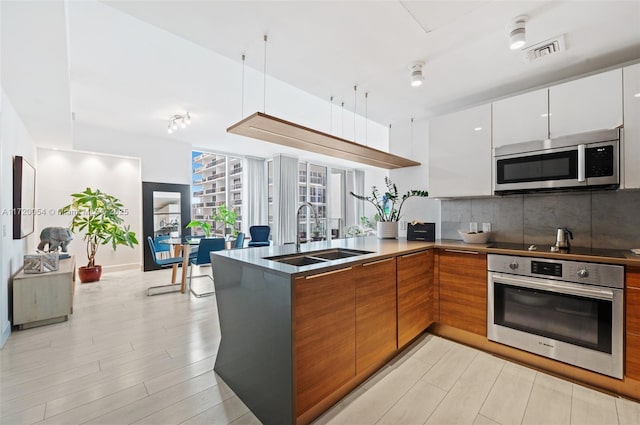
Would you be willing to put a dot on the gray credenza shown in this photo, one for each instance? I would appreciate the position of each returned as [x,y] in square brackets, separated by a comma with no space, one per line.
[44,298]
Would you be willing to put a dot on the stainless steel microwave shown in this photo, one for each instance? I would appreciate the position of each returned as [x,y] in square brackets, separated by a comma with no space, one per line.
[581,161]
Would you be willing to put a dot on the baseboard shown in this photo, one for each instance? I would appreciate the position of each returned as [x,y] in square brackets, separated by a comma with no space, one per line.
[121,267]
[5,334]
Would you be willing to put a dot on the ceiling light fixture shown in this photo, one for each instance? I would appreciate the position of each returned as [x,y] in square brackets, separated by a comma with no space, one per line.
[416,73]
[182,120]
[517,32]
[272,129]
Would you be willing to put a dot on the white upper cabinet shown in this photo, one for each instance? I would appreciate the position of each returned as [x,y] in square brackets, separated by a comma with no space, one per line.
[587,104]
[460,153]
[521,118]
[631,140]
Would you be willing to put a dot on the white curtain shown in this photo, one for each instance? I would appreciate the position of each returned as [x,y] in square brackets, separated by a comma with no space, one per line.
[256,210]
[285,199]
[358,205]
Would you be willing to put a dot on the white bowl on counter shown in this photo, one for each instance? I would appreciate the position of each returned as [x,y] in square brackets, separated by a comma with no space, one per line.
[468,237]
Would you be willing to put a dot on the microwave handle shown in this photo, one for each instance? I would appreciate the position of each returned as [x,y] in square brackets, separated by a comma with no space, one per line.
[581,163]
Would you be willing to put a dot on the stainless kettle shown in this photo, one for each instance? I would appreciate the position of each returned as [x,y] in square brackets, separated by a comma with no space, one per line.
[562,238]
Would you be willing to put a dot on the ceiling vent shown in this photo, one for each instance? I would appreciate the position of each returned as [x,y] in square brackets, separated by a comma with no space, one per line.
[546,48]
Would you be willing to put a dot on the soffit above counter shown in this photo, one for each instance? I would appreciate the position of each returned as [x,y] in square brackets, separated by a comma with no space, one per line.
[276,130]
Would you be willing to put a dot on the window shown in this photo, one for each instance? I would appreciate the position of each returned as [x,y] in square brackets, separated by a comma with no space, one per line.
[313,186]
[217,180]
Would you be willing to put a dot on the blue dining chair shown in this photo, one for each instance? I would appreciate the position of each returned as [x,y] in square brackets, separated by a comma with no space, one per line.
[259,235]
[239,241]
[207,245]
[162,248]
[193,246]
[162,262]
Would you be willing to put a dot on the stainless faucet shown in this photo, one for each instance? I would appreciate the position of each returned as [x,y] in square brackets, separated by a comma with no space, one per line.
[315,214]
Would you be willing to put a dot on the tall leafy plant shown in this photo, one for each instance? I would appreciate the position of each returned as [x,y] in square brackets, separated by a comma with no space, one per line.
[223,215]
[227,217]
[100,217]
[385,202]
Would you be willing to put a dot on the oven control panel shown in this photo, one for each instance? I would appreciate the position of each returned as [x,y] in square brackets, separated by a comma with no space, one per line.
[609,275]
[547,269]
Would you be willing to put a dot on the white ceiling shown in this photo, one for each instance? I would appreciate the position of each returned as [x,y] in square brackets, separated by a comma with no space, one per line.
[132,64]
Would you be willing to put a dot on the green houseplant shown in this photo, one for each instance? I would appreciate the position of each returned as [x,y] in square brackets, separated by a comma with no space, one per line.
[204,225]
[385,204]
[228,219]
[223,215]
[99,216]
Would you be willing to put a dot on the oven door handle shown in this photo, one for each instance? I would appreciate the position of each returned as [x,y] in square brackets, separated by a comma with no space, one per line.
[558,287]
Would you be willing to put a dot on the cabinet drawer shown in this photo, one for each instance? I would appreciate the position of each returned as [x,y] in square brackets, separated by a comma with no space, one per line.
[324,335]
[415,295]
[375,313]
[463,291]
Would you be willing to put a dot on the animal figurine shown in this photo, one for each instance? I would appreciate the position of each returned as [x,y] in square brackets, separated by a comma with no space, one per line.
[56,237]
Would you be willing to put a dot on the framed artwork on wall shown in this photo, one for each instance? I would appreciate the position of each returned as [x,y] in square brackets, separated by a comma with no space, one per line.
[24,197]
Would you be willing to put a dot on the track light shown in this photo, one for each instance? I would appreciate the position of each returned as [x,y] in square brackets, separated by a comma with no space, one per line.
[416,74]
[182,120]
[517,32]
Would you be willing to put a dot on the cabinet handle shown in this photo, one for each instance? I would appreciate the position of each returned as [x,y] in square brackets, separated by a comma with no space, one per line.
[459,251]
[327,273]
[413,255]
[377,262]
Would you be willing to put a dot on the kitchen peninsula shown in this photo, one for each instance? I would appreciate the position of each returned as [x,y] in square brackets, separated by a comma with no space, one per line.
[296,339]
[290,333]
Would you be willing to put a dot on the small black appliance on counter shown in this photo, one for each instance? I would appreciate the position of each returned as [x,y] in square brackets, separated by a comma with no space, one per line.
[421,232]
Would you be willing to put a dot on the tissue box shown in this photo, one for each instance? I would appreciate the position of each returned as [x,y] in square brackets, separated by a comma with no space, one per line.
[41,263]
[421,232]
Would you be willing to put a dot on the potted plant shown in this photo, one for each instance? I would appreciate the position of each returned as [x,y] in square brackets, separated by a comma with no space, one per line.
[204,225]
[223,215]
[228,219]
[387,215]
[99,216]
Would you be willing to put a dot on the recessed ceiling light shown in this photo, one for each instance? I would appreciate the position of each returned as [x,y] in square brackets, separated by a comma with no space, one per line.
[477,129]
[517,34]
[637,94]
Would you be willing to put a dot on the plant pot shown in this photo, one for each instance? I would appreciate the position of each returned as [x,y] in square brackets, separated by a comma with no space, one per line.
[387,230]
[89,274]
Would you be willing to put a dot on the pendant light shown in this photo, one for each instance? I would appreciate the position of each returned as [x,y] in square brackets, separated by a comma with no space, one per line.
[277,130]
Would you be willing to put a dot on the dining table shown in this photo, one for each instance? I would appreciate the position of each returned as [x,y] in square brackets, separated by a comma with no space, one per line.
[181,247]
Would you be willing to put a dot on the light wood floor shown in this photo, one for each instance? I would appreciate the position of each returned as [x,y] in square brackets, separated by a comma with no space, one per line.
[127,358]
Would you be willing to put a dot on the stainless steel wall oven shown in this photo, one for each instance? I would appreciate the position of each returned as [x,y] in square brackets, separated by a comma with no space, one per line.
[566,310]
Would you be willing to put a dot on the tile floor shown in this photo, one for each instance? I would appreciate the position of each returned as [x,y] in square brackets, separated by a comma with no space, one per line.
[126,358]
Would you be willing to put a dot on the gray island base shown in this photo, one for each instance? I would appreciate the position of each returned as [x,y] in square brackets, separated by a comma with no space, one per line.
[255,299]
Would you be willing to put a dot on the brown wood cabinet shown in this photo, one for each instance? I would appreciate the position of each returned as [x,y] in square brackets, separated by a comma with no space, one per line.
[463,290]
[415,294]
[632,308]
[325,335]
[375,312]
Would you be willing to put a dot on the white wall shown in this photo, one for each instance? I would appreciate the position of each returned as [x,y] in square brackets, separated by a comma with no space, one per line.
[162,160]
[14,140]
[61,173]
[413,142]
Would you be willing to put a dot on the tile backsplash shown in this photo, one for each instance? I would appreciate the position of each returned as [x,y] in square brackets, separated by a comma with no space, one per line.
[598,219]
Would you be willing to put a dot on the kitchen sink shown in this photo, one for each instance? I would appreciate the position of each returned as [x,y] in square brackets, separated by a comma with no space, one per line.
[336,254]
[300,260]
[314,257]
